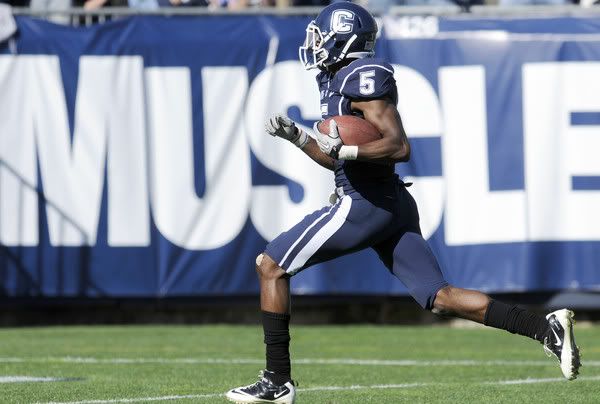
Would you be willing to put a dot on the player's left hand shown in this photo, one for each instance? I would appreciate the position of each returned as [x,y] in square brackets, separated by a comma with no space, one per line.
[329,143]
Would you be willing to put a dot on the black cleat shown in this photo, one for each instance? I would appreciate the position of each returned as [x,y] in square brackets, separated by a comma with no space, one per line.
[559,341]
[263,391]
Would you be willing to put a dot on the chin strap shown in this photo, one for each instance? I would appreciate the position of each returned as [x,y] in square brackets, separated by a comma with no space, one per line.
[348,45]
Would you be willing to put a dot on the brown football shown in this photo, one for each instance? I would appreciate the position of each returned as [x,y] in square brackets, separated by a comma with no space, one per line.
[353,130]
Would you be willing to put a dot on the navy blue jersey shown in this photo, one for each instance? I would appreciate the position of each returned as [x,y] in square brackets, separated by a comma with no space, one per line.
[361,80]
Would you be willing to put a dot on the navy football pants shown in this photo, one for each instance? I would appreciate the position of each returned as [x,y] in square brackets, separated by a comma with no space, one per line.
[388,222]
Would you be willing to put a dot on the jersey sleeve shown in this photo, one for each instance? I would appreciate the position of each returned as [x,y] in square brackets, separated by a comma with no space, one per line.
[370,81]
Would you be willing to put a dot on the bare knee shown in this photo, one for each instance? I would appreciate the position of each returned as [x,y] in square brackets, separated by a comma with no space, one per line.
[464,303]
[444,301]
[267,269]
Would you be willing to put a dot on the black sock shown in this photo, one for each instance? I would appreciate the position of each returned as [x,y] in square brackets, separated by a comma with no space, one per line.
[277,339]
[515,320]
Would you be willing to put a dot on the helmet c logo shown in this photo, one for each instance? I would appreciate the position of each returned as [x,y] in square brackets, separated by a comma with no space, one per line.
[341,21]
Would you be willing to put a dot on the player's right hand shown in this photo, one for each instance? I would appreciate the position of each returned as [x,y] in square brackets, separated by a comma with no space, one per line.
[283,127]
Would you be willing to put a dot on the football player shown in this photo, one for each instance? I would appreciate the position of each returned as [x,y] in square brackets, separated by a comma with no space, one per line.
[373,208]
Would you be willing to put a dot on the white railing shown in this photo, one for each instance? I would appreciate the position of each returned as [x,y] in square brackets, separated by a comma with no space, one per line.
[78,16]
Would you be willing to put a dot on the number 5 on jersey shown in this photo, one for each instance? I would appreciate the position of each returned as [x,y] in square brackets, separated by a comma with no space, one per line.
[367,84]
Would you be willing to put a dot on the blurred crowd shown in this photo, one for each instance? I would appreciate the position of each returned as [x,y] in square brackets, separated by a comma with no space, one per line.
[240,4]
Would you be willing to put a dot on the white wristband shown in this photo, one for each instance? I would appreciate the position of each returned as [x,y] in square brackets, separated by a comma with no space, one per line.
[348,153]
[302,139]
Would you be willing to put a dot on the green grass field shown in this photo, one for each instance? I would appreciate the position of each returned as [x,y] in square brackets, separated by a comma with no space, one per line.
[198,363]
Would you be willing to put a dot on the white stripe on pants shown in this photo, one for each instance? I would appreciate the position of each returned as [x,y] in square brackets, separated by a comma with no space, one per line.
[321,236]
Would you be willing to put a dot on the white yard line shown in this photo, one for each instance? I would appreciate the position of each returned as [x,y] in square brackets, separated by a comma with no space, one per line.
[29,379]
[427,363]
[305,361]
[546,380]
[359,387]
[137,399]
[321,388]
[197,396]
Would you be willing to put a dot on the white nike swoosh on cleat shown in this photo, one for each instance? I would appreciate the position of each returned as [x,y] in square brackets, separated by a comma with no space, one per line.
[277,395]
[559,343]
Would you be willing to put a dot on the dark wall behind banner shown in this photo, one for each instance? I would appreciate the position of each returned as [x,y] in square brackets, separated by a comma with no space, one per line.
[132,162]
[308,309]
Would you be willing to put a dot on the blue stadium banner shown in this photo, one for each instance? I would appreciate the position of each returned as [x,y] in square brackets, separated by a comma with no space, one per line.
[133,160]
